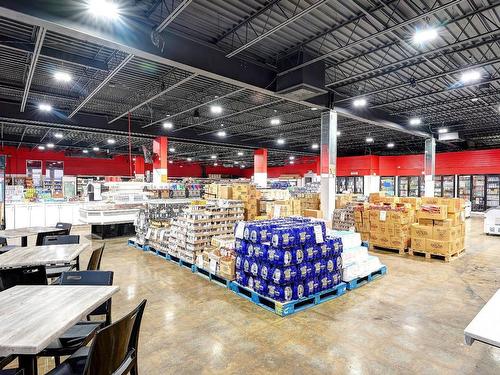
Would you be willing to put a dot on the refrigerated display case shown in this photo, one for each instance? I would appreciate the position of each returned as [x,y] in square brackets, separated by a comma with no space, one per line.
[478,193]
[359,185]
[444,186]
[341,185]
[464,187]
[352,184]
[403,186]
[492,191]
[388,185]
[414,186]
[438,186]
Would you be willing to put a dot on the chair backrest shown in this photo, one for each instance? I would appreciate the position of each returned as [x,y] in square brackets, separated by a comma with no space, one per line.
[66,226]
[111,346]
[95,259]
[22,276]
[3,241]
[61,240]
[134,338]
[91,278]
[40,236]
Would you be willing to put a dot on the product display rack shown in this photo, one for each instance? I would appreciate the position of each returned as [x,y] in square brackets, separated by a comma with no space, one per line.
[353,184]
[492,191]
[444,186]
[388,185]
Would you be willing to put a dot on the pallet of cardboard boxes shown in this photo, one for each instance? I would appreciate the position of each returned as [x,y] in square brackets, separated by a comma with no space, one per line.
[440,230]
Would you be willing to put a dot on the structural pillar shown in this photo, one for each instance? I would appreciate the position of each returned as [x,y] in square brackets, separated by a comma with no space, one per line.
[429,166]
[139,168]
[260,167]
[328,162]
[160,161]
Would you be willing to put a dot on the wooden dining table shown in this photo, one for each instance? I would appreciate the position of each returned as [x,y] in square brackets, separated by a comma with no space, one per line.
[41,255]
[35,315]
[23,233]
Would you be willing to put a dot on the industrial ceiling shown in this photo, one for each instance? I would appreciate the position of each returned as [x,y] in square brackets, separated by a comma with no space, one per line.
[228,53]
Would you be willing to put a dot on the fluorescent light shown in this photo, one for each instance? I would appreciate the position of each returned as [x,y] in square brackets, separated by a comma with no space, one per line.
[292,162]
[221,133]
[369,140]
[240,153]
[189,159]
[216,109]
[171,149]
[390,145]
[168,125]
[215,164]
[103,9]
[242,165]
[95,148]
[470,76]
[358,103]
[62,77]
[338,133]
[58,135]
[213,156]
[415,121]
[314,109]
[425,35]
[85,151]
[170,162]
[111,141]
[41,147]
[275,121]
[292,157]
[236,162]
[442,130]
[474,99]
[315,146]
[50,145]
[44,107]
[280,141]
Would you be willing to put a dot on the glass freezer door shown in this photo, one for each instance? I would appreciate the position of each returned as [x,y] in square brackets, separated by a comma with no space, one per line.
[350,184]
[438,185]
[448,186]
[492,191]
[464,187]
[413,186]
[341,185]
[478,193]
[388,184]
[359,185]
[403,186]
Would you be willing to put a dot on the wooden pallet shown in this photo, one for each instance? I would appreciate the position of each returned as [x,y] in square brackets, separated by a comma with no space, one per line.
[400,250]
[427,255]
[360,281]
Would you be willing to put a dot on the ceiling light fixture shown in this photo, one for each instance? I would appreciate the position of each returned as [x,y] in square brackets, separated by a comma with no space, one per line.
[314,108]
[168,125]
[474,99]
[240,153]
[170,162]
[58,135]
[95,148]
[369,140]
[292,162]
[415,121]
[338,133]
[236,162]
[85,151]
[44,107]
[242,165]
[470,76]
[425,35]
[189,159]
[221,133]
[358,103]
[111,141]
[442,130]
[50,145]
[62,77]
[171,149]
[41,147]
[216,109]
[104,9]
[390,145]
[213,156]
[292,157]
[315,146]
[280,141]
[275,121]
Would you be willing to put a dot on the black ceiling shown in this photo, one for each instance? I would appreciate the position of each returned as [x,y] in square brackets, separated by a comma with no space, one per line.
[366,46]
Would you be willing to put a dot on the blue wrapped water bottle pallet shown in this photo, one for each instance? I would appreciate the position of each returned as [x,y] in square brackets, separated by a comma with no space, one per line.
[291,307]
[360,281]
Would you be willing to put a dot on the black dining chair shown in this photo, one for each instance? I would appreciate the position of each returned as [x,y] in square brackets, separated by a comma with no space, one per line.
[112,351]
[41,236]
[95,259]
[65,239]
[4,247]
[4,361]
[54,271]
[22,276]
[12,371]
[65,226]
[82,332]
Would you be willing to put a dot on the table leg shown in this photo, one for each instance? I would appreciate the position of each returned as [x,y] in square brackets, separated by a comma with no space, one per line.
[28,363]
[24,241]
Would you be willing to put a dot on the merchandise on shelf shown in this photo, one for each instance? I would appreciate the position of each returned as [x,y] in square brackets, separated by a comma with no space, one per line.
[311,187]
[343,218]
[287,259]
[193,230]
[440,229]
[246,193]
[219,258]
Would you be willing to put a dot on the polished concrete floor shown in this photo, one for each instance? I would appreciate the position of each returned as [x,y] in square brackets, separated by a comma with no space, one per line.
[410,321]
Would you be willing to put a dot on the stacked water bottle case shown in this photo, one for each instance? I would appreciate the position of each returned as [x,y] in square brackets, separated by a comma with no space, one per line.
[287,259]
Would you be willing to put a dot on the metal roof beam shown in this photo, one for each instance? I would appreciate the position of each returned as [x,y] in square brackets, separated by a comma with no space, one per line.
[173,15]
[34,59]
[53,54]
[290,20]
[102,84]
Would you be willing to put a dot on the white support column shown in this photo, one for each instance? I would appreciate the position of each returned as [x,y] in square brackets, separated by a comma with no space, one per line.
[328,162]
[429,166]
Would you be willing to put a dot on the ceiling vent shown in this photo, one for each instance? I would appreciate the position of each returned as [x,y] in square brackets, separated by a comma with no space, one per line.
[303,83]
[449,137]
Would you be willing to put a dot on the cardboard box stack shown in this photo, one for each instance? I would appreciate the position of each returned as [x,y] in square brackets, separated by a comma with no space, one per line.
[343,218]
[440,229]
[192,232]
[246,193]
[219,258]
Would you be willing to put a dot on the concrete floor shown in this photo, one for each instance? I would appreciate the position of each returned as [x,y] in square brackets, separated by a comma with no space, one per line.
[410,321]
